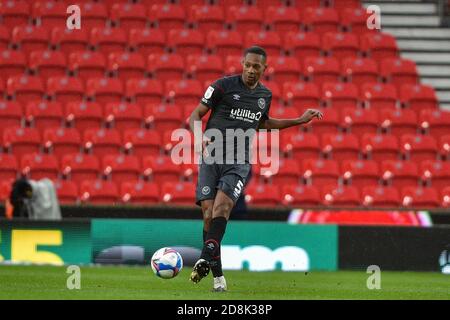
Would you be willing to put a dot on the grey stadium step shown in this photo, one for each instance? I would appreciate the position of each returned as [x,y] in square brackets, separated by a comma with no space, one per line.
[402,8]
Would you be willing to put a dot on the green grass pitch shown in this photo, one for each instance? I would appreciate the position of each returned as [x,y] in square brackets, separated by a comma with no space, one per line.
[114,282]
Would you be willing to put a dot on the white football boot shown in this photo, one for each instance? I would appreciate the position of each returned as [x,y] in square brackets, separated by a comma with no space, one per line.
[220,284]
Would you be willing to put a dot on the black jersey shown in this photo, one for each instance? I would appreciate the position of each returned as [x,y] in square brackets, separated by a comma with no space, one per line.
[234,106]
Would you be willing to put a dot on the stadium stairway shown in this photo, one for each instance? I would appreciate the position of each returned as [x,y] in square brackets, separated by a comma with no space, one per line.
[417,26]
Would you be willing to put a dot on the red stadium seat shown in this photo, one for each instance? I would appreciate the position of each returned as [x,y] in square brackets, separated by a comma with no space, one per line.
[438,172]
[208,18]
[341,146]
[122,167]
[22,140]
[399,71]
[25,88]
[10,115]
[340,95]
[301,145]
[282,19]
[435,122]
[47,63]
[163,117]
[341,45]
[127,65]
[400,173]
[139,192]
[379,45]
[347,196]
[361,173]
[419,147]
[418,97]
[44,114]
[12,63]
[288,172]
[87,64]
[321,20]
[30,38]
[281,112]
[104,90]
[167,16]
[302,45]
[355,20]
[68,41]
[328,124]
[205,67]
[446,197]
[233,65]
[39,166]
[225,42]
[420,197]
[144,91]
[49,14]
[360,121]
[107,40]
[300,195]
[129,16]
[321,172]
[5,189]
[143,142]
[94,15]
[342,5]
[269,40]
[4,37]
[182,193]
[399,121]
[8,166]
[322,69]
[186,41]
[102,141]
[65,89]
[80,166]
[262,195]
[67,191]
[274,87]
[184,91]
[360,70]
[166,66]
[380,146]
[99,192]
[15,13]
[283,69]
[301,95]
[124,115]
[244,18]
[444,147]
[381,197]
[84,115]
[160,169]
[147,41]
[62,141]
[302,4]
[379,95]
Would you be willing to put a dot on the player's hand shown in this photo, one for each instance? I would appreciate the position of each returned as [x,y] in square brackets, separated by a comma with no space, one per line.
[311,114]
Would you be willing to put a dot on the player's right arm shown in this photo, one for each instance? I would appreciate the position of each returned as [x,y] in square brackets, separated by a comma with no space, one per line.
[195,120]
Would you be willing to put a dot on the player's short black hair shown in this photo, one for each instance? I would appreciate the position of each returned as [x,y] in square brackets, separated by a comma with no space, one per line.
[256,50]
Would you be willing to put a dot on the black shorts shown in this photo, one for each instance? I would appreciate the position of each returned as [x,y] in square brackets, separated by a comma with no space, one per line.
[230,178]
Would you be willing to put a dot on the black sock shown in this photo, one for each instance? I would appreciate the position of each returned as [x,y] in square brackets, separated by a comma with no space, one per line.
[211,247]
[216,269]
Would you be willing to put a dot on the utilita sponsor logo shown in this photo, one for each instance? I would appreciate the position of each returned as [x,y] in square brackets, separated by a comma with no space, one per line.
[245,115]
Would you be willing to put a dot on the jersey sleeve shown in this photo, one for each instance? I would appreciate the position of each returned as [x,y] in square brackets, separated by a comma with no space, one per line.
[265,115]
[213,94]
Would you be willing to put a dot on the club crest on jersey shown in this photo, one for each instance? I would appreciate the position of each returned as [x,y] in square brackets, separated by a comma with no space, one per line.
[261,103]
[209,92]
[206,190]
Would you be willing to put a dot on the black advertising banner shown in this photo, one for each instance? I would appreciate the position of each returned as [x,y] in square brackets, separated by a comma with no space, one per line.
[393,248]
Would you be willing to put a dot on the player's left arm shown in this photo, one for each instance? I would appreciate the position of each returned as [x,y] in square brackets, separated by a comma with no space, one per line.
[272,123]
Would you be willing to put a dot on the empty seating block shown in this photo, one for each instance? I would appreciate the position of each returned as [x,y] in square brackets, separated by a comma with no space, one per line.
[143,142]
[44,114]
[300,195]
[361,173]
[62,141]
[99,192]
[102,141]
[22,140]
[80,167]
[400,173]
[140,192]
[419,147]
[122,167]
[39,166]
[262,195]
[420,197]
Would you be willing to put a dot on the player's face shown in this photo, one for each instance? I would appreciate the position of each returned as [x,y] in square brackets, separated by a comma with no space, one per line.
[253,68]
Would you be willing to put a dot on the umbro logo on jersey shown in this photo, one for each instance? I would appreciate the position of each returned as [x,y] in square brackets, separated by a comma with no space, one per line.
[236,96]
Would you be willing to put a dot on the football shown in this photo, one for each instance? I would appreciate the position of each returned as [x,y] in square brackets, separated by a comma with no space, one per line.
[166,263]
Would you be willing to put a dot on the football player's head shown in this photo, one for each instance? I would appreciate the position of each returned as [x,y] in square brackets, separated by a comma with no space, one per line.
[254,64]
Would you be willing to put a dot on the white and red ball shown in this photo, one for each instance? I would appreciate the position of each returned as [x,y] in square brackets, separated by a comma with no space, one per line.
[166,263]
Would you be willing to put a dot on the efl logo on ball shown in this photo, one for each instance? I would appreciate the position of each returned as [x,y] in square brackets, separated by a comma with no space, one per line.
[166,263]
